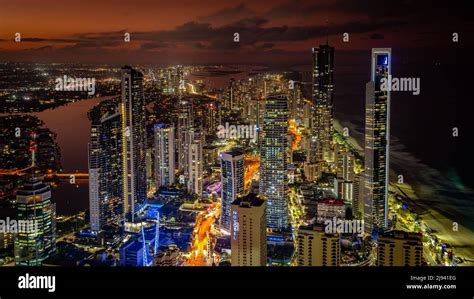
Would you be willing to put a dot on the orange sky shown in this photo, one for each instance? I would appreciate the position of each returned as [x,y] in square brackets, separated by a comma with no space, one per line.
[171,30]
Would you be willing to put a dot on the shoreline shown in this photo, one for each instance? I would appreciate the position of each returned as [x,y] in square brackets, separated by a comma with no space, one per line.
[441,225]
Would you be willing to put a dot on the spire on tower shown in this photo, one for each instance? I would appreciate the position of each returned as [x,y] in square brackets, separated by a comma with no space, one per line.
[327,32]
[33,149]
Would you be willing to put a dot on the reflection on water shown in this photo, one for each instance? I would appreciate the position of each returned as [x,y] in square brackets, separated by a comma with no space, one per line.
[72,127]
[71,199]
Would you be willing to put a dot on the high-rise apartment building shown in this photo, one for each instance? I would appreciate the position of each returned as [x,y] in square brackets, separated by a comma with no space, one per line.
[358,196]
[211,117]
[232,183]
[345,164]
[315,247]
[134,142]
[195,162]
[37,240]
[322,94]
[185,123]
[164,155]
[105,170]
[274,160]
[377,140]
[248,231]
[399,248]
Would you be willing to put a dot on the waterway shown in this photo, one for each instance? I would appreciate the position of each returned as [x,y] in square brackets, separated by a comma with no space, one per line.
[72,126]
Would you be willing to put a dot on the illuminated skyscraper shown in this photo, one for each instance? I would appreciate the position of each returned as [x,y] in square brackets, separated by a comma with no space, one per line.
[94,178]
[274,159]
[377,140]
[185,123]
[7,238]
[195,162]
[164,155]
[248,231]
[211,117]
[295,100]
[345,173]
[323,71]
[358,196]
[345,164]
[230,97]
[134,141]
[256,114]
[178,82]
[105,169]
[232,174]
[36,241]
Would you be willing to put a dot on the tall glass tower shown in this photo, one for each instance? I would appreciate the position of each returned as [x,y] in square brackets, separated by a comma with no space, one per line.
[322,94]
[134,142]
[105,169]
[195,161]
[232,178]
[37,241]
[164,154]
[377,141]
[184,136]
[274,159]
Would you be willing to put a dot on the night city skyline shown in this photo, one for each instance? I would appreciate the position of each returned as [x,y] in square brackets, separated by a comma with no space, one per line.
[240,133]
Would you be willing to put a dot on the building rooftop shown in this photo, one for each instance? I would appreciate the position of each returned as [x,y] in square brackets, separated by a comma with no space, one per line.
[249,200]
[133,245]
[162,126]
[313,227]
[232,153]
[33,186]
[330,201]
[401,235]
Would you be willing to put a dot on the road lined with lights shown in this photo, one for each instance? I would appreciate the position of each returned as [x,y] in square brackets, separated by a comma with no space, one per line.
[201,236]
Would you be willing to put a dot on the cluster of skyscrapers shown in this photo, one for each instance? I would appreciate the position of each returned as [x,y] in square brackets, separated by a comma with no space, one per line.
[364,192]
[117,170]
[120,176]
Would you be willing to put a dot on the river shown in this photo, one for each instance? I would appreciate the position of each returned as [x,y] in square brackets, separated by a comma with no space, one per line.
[72,126]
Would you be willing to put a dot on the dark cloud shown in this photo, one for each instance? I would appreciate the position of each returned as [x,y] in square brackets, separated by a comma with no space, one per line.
[264,33]
[53,40]
[254,33]
[249,22]
[264,46]
[198,45]
[292,8]
[96,44]
[102,35]
[154,45]
[376,36]
[37,39]
[41,49]
[228,14]
[404,10]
